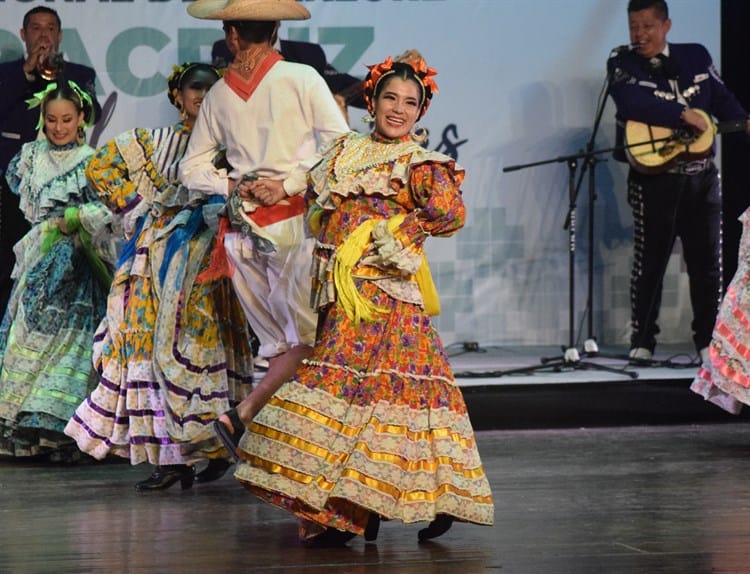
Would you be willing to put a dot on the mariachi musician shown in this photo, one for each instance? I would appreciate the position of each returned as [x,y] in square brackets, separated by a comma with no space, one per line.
[671,85]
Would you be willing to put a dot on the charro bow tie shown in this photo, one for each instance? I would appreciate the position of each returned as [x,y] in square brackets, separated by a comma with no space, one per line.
[661,65]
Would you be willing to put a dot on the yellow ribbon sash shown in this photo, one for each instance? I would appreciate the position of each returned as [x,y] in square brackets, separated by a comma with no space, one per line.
[357,307]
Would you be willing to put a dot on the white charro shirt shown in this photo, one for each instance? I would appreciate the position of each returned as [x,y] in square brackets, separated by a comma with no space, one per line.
[277,133]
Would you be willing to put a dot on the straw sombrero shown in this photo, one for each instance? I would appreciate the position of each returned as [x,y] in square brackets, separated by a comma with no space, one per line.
[258,10]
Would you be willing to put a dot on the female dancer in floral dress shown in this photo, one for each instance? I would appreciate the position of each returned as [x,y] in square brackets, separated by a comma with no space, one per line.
[173,351]
[61,281]
[373,424]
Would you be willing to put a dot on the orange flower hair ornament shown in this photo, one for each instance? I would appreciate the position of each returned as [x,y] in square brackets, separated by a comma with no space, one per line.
[422,73]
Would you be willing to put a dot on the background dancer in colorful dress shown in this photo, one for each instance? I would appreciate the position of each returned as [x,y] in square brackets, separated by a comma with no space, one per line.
[373,424]
[173,351]
[42,35]
[724,376]
[61,280]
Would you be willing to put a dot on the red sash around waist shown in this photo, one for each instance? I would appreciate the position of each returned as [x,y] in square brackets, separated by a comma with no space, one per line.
[285,209]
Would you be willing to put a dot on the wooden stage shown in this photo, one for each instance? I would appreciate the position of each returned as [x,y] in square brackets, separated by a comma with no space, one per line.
[592,472]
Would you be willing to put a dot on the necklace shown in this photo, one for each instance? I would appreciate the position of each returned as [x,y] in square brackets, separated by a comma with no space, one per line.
[247,60]
[363,152]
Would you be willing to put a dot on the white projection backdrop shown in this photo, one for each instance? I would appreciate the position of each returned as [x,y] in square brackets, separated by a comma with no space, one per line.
[519,83]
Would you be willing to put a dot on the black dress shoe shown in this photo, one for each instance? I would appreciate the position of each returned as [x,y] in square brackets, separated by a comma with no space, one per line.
[165,476]
[437,527]
[217,467]
[330,538]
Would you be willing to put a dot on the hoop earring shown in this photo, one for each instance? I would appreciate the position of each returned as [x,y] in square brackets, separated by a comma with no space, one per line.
[419,134]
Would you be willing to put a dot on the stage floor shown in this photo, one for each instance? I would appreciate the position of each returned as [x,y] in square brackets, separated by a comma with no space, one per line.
[654,500]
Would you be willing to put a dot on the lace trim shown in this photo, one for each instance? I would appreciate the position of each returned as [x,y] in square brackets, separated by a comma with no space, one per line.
[363,164]
[50,176]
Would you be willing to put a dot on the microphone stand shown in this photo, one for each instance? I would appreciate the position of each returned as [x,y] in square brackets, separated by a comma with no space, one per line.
[590,346]
[571,357]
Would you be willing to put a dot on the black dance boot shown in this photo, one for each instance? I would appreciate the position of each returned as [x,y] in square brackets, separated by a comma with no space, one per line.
[217,467]
[165,476]
[329,538]
[437,527]
[372,528]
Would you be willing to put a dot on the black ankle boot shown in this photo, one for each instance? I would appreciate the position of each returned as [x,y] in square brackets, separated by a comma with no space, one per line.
[165,476]
[330,538]
[372,528]
[217,467]
[437,527]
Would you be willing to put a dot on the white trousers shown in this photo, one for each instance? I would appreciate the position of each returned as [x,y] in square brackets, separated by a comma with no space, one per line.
[274,289]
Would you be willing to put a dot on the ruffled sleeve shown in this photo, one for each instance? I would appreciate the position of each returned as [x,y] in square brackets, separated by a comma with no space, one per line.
[17,165]
[48,178]
[439,212]
[436,189]
[122,172]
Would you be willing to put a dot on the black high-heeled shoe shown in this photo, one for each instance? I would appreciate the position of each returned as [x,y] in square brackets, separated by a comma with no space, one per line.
[217,467]
[437,527]
[165,476]
[230,439]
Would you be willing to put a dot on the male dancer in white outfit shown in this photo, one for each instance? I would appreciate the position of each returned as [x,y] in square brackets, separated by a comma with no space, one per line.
[273,117]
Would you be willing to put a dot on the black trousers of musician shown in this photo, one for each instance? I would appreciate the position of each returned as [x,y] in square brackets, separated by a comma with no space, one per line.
[666,206]
[13,226]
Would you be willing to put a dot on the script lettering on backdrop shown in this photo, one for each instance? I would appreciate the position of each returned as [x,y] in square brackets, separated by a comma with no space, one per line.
[447,145]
